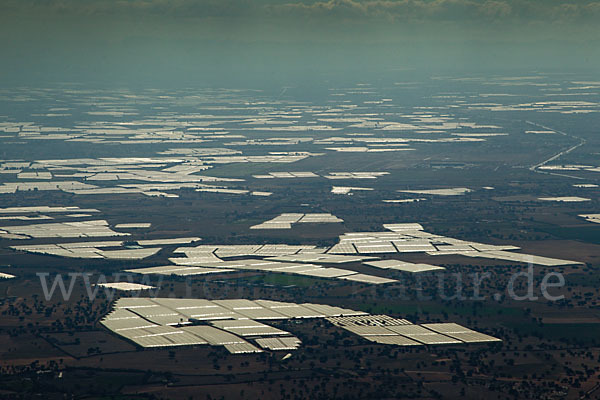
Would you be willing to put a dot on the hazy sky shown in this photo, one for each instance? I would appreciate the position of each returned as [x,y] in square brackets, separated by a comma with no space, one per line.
[200,41]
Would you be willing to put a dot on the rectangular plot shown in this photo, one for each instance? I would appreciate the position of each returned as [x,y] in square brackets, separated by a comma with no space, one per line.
[157,331]
[176,304]
[294,268]
[457,247]
[275,304]
[461,333]
[257,331]
[403,248]
[200,271]
[371,248]
[212,335]
[368,320]
[124,324]
[135,302]
[370,330]
[262,313]
[404,266]
[272,225]
[342,249]
[403,227]
[277,344]
[129,254]
[330,311]
[158,310]
[121,313]
[322,258]
[528,258]
[473,337]
[133,225]
[174,319]
[195,259]
[154,242]
[446,327]
[237,323]
[242,348]
[290,340]
[238,304]
[375,280]
[299,312]
[208,313]
[395,339]
[154,341]
[326,272]
[385,264]
[423,335]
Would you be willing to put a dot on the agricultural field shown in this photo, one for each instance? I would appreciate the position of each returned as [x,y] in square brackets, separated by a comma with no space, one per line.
[424,239]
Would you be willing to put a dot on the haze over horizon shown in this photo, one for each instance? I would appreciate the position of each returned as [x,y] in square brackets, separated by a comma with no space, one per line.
[185,42]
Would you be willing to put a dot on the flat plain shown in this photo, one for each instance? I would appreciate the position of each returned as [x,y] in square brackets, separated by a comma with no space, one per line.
[361,197]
